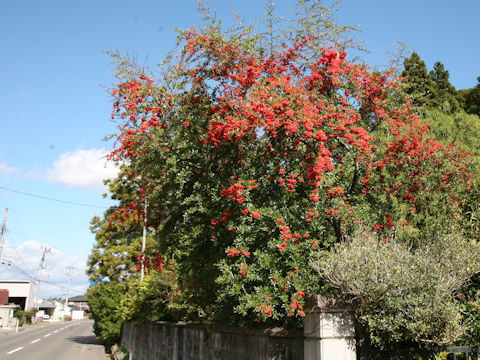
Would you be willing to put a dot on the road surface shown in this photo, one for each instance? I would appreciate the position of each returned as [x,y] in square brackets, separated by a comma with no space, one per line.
[73,340]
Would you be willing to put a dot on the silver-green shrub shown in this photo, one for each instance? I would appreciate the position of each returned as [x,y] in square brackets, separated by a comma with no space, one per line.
[403,291]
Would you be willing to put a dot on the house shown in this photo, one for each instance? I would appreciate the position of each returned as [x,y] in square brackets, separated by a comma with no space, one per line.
[45,311]
[77,313]
[7,309]
[6,315]
[20,292]
[62,311]
[79,306]
[79,301]
[53,310]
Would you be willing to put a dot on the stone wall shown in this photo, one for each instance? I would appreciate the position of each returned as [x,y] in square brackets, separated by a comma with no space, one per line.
[178,341]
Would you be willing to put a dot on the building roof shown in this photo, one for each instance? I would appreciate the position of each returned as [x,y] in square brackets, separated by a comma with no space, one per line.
[78,298]
[44,305]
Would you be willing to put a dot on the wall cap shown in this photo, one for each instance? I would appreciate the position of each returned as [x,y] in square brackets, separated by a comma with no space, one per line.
[212,328]
[327,303]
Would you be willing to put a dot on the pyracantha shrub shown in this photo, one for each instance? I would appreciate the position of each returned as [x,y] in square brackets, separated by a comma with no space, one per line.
[254,165]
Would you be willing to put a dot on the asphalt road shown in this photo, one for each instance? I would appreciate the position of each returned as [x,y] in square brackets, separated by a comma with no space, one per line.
[72,340]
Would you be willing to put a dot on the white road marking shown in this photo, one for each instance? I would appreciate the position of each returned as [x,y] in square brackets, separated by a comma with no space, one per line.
[55,331]
[47,335]
[15,350]
[34,341]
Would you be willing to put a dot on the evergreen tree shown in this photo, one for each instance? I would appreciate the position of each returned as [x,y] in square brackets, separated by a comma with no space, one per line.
[104,301]
[420,86]
[470,99]
[118,243]
[444,92]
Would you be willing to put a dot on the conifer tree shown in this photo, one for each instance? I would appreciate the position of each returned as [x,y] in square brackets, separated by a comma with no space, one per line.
[118,246]
[444,92]
[470,99]
[420,86]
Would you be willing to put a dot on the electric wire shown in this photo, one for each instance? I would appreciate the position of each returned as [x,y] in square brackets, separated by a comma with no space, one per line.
[11,263]
[17,223]
[53,199]
[36,279]
[18,257]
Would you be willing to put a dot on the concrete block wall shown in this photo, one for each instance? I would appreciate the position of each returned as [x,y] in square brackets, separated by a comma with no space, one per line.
[178,341]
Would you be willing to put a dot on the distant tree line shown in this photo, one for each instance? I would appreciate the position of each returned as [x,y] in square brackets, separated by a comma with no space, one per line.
[432,89]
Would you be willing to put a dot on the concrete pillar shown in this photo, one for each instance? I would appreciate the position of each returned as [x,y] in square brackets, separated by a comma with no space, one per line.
[329,328]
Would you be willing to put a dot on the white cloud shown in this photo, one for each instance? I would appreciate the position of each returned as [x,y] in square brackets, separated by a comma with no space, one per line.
[23,263]
[82,168]
[6,170]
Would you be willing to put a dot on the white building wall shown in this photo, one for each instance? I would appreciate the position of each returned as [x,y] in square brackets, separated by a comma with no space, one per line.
[21,288]
[77,314]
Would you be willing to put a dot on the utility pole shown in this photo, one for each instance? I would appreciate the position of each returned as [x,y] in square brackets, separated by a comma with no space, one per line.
[69,273]
[144,239]
[4,230]
[46,250]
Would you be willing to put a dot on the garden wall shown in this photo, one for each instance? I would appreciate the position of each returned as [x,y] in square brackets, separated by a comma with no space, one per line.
[179,341]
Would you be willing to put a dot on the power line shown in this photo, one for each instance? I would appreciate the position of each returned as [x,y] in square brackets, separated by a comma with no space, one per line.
[52,199]
[17,223]
[10,263]
[16,256]
[35,279]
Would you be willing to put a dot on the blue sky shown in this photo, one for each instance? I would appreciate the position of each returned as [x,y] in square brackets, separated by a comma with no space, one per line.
[55,111]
